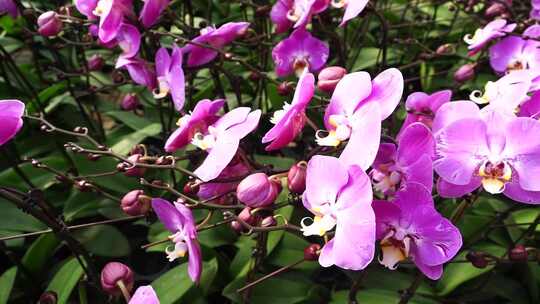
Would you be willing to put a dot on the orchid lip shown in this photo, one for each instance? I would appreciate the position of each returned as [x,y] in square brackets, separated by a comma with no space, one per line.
[339,3]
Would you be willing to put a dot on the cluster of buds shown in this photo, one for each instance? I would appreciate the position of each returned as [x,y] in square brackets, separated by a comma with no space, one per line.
[253,217]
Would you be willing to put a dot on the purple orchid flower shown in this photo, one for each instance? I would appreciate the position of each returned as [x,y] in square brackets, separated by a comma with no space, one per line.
[129,40]
[410,161]
[515,53]
[422,107]
[299,51]
[9,7]
[288,123]
[139,71]
[11,112]
[222,139]
[486,148]
[352,8]
[234,170]
[178,219]
[217,38]
[111,16]
[410,227]
[356,109]
[87,7]
[170,76]
[495,29]
[144,295]
[535,11]
[531,107]
[151,11]
[340,197]
[204,114]
[286,13]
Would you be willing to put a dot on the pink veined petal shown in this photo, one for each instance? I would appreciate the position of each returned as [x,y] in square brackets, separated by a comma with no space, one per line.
[353,245]
[187,219]
[412,199]
[11,112]
[514,191]
[194,259]
[278,15]
[420,171]
[461,147]
[233,117]
[289,126]
[151,11]
[304,90]
[349,92]
[387,214]
[144,295]
[439,98]
[452,111]
[306,8]
[417,101]
[218,158]
[86,7]
[110,21]
[448,190]
[386,154]
[353,9]
[326,176]
[432,272]
[356,191]
[501,53]
[199,56]
[441,240]
[365,137]
[129,40]
[317,52]
[531,107]
[167,214]
[242,129]
[415,141]
[163,62]
[176,79]
[387,89]
[523,150]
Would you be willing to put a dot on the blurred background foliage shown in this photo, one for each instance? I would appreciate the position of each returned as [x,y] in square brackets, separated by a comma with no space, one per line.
[51,73]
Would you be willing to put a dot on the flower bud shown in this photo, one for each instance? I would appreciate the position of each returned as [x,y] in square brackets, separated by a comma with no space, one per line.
[246,216]
[236,226]
[445,49]
[494,10]
[135,203]
[114,272]
[518,253]
[49,24]
[268,221]
[191,188]
[48,297]
[465,72]
[285,88]
[312,252]
[95,62]
[296,178]
[329,78]
[258,190]
[132,170]
[130,102]
[477,259]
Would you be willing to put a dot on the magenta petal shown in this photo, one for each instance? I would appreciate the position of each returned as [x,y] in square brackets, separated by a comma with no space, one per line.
[167,214]
[163,62]
[387,89]
[458,148]
[129,40]
[523,147]
[200,55]
[365,137]
[241,130]
[501,53]
[356,191]
[387,214]
[415,141]
[233,117]
[385,155]
[151,11]
[11,112]
[218,158]
[420,171]
[448,190]
[285,130]
[515,192]
[176,79]
[353,9]
[194,259]
[432,272]
[452,111]
[326,176]
[278,15]
[353,245]
[110,21]
[86,7]
[349,92]
[144,295]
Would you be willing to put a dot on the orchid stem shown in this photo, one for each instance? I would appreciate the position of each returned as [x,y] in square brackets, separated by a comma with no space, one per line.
[274,273]
[124,290]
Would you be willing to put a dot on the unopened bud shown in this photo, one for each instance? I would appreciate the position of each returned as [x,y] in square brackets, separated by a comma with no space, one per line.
[296,178]
[191,188]
[329,78]
[285,88]
[114,272]
[135,203]
[518,253]
[465,73]
[83,186]
[130,102]
[48,297]
[236,226]
[445,49]
[258,190]
[49,24]
[312,252]
[133,170]
[477,259]
[246,216]
[268,221]
[95,62]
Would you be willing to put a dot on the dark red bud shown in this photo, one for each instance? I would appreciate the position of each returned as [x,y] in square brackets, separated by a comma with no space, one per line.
[114,272]
[95,62]
[48,297]
[254,76]
[93,157]
[494,10]
[518,253]
[285,88]
[191,188]
[312,252]
[83,186]
[477,259]
[130,102]
[246,216]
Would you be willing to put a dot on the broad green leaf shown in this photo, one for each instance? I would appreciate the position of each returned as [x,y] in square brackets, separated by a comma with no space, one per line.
[39,253]
[126,143]
[41,179]
[377,296]
[130,119]
[6,284]
[103,240]
[14,219]
[526,216]
[65,280]
[173,284]
[279,163]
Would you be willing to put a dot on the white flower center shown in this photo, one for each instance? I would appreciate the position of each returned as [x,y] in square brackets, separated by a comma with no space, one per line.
[101,7]
[278,115]
[180,247]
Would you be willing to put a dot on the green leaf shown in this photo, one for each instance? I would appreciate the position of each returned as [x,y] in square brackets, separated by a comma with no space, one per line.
[38,254]
[126,143]
[279,163]
[130,119]
[14,219]
[41,179]
[526,216]
[6,284]
[65,280]
[173,284]
[377,296]
[458,273]
[103,240]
